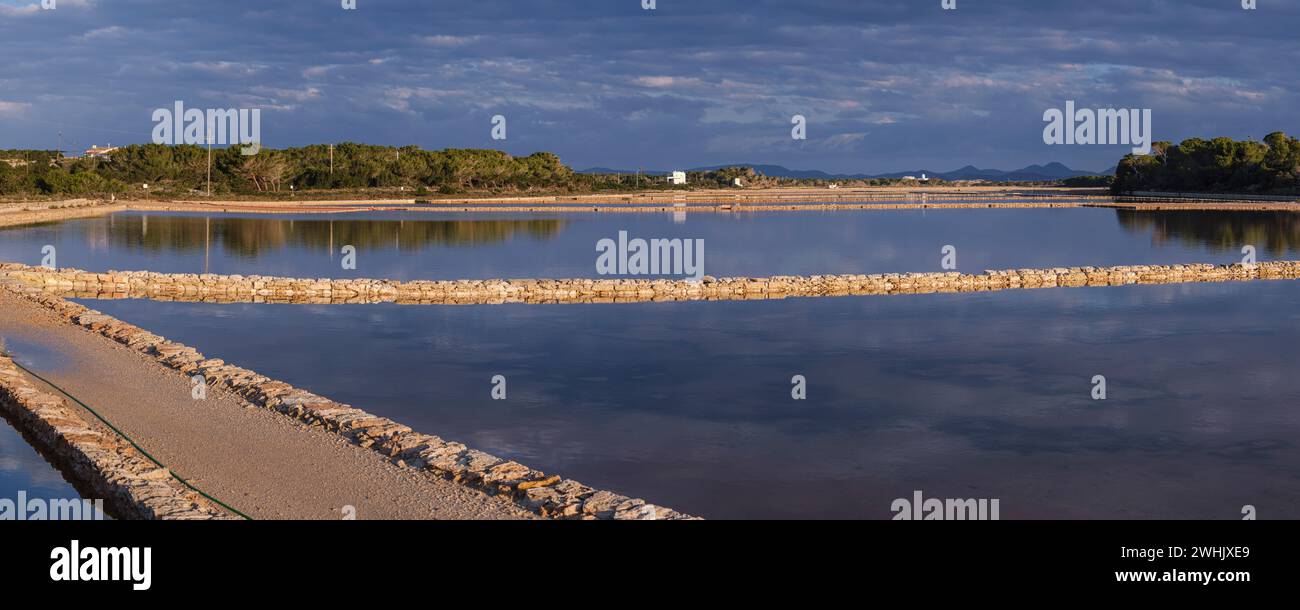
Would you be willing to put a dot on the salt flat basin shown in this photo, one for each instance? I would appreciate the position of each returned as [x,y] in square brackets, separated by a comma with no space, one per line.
[454,246]
[982,395]
[985,395]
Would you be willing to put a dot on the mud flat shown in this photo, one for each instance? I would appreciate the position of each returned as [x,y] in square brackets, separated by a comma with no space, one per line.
[259,289]
[240,446]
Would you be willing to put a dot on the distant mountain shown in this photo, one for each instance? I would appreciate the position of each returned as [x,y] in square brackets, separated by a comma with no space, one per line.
[1051,171]
[606,170]
[781,172]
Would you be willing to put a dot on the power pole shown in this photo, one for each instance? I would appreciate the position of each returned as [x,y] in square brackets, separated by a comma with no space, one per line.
[209,165]
[331,159]
[59,153]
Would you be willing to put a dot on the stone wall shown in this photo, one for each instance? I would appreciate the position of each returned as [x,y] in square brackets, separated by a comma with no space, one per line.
[546,494]
[101,463]
[258,289]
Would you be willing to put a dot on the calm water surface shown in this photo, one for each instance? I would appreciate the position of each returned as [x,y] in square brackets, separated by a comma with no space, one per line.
[21,467]
[688,404]
[967,395]
[448,246]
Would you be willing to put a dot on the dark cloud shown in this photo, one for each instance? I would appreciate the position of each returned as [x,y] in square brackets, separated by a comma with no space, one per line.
[885,85]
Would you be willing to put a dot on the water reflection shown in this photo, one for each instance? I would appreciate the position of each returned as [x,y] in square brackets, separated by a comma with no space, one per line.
[1277,233]
[23,469]
[450,245]
[961,395]
[253,237]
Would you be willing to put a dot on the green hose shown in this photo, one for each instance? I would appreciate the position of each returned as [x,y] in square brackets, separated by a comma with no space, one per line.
[133,443]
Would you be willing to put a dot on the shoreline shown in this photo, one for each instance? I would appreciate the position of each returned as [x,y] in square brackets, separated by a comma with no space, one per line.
[134,488]
[21,213]
[95,460]
[403,452]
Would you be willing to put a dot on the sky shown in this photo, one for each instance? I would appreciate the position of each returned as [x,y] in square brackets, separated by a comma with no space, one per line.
[884,85]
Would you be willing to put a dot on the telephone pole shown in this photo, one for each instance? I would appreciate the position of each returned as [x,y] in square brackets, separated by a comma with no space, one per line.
[209,165]
[331,159]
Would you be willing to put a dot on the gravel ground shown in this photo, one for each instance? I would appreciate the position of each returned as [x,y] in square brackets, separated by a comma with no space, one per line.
[260,462]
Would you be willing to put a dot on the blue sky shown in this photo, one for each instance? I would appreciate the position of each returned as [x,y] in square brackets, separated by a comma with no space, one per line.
[885,85]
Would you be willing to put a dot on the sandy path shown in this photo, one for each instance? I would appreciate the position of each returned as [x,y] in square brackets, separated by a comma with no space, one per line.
[261,463]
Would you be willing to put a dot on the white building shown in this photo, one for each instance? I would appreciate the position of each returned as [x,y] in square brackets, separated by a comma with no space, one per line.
[102,152]
[677,178]
[738,182]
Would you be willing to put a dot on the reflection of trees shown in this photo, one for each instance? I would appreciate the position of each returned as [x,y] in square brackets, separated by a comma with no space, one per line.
[251,236]
[1277,233]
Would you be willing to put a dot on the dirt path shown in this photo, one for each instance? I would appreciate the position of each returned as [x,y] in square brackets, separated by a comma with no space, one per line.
[261,463]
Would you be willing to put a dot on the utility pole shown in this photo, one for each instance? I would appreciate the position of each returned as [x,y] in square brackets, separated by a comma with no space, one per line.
[331,159]
[59,153]
[209,165]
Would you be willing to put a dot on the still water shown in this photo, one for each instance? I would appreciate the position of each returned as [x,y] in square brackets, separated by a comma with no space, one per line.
[447,246]
[959,396]
[689,405]
[21,467]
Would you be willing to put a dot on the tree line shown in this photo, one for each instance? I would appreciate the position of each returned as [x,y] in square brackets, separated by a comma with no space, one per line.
[184,169]
[1195,165]
[1219,165]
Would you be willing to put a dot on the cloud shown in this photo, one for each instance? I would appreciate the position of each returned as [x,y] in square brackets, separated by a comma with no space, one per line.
[703,84]
[665,82]
[108,33]
[26,9]
[13,109]
[447,41]
[23,8]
